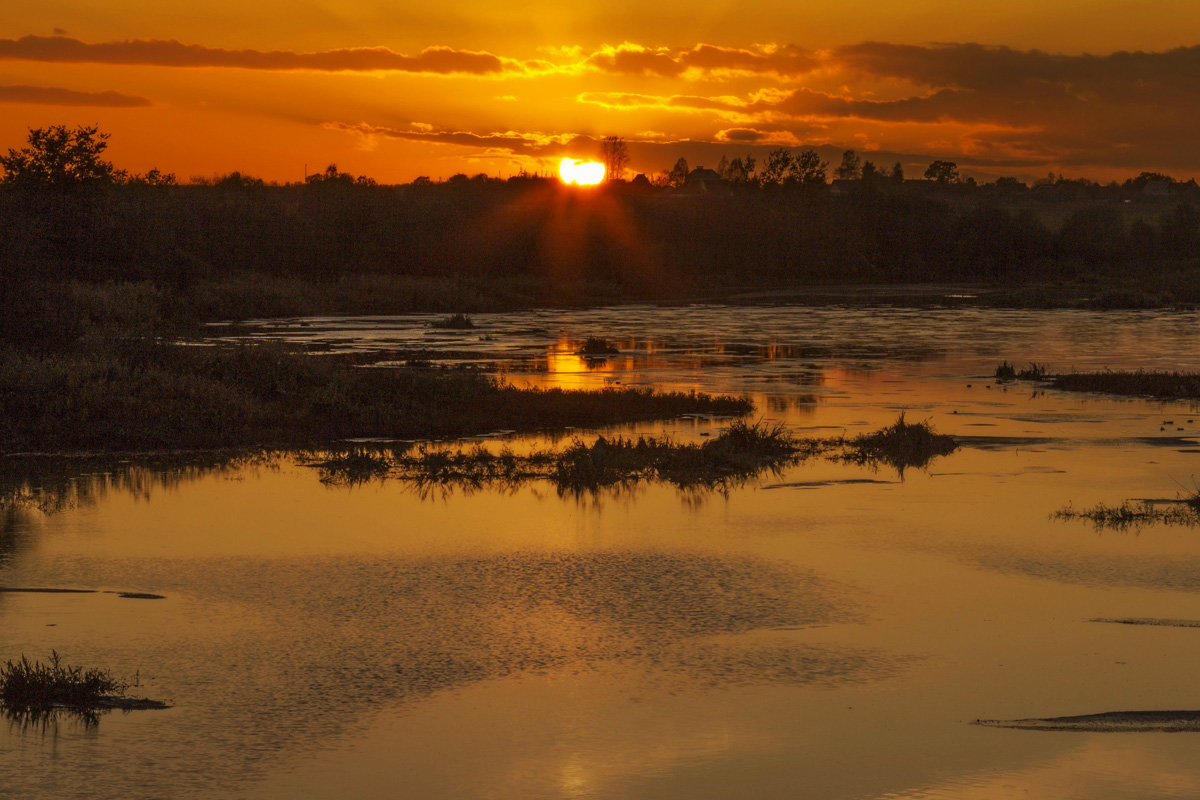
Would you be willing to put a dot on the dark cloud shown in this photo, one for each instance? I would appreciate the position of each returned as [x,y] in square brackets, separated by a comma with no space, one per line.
[51,96]
[636,60]
[741,135]
[532,144]
[171,53]
[978,67]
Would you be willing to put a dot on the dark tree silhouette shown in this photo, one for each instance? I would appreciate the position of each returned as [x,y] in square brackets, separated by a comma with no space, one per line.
[678,175]
[779,161]
[942,172]
[850,169]
[61,157]
[615,154]
[807,169]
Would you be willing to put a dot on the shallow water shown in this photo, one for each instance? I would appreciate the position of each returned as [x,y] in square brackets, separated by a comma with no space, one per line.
[828,632]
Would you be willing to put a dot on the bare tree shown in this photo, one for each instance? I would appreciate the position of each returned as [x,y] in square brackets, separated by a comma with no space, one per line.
[615,154]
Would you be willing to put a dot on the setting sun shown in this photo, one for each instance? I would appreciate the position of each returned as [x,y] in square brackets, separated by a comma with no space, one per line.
[582,173]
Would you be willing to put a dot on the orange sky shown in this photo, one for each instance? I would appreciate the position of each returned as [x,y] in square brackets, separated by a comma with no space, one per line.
[1091,88]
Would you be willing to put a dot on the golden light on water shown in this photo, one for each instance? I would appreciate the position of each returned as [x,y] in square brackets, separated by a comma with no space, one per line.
[581,173]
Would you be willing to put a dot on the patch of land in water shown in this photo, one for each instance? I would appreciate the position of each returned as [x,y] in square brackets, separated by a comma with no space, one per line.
[145,395]
[1108,722]
[740,452]
[1152,621]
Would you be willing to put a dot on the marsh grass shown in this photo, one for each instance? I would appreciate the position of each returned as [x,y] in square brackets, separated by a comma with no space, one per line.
[1132,514]
[33,691]
[596,346]
[901,445]
[1141,383]
[455,322]
[1035,372]
[740,452]
[149,395]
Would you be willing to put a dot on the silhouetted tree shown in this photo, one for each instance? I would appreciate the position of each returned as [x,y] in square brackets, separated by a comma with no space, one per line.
[678,175]
[807,169]
[741,170]
[723,168]
[942,172]
[779,161]
[615,154]
[152,178]
[61,157]
[897,173]
[850,169]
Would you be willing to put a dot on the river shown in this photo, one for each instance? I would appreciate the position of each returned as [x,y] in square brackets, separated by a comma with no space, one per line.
[832,631]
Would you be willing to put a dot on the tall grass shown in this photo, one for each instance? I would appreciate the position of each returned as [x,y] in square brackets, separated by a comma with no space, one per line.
[37,686]
[1142,383]
[740,452]
[147,395]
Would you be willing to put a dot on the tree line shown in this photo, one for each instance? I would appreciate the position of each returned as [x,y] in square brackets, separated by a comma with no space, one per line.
[67,214]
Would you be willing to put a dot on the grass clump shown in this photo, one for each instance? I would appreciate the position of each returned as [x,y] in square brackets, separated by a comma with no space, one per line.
[900,445]
[33,690]
[1134,514]
[1008,372]
[1140,383]
[456,322]
[740,452]
[596,346]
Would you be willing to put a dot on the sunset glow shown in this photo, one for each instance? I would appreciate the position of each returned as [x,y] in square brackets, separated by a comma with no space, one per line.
[580,173]
[1100,90]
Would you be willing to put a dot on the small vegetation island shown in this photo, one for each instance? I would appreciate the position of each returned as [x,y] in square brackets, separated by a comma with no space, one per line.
[105,271]
[33,691]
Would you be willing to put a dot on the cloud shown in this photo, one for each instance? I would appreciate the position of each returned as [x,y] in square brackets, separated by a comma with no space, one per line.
[635,59]
[51,96]
[171,53]
[524,143]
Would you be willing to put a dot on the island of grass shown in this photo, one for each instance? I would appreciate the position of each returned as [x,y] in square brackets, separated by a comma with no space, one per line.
[1139,383]
[738,453]
[147,395]
[33,689]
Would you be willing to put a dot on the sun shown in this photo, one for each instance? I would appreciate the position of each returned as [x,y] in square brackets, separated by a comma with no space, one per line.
[581,173]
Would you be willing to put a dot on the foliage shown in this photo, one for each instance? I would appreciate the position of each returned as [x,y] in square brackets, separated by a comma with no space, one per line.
[1144,383]
[34,686]
[942,172]
[458,322]
[1035,372]
[851,168]
[61,158]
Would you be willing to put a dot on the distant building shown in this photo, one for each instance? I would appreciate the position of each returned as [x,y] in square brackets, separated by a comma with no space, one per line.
[702,179]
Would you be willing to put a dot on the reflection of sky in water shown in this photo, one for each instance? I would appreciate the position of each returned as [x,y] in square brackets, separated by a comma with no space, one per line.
[827,632]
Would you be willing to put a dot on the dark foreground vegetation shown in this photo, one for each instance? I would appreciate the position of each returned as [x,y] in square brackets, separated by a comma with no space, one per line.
[1142,383]
[73,223]
[143,395]
[1137,383]
[740,452]
[1134,514]
[33,690]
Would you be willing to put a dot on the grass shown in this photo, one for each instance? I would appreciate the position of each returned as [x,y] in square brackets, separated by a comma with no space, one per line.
[1184,510]
[32,691]
[1141,383]
[1134,514]
[148,395]
[1008,372]
[457,322]
[901,445]
[597,346]
[740,452]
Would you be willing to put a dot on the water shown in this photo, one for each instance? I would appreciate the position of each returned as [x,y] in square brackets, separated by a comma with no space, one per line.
[830,632]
